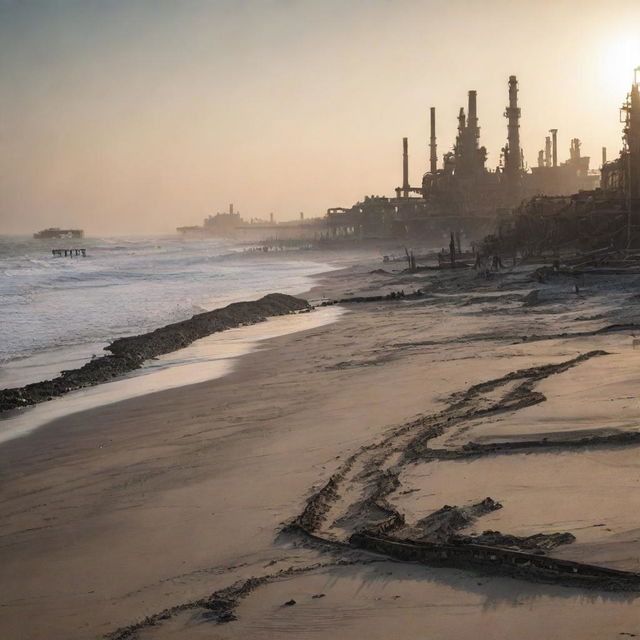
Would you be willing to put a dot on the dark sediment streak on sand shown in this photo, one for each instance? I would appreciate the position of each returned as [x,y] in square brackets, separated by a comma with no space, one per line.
[128,354]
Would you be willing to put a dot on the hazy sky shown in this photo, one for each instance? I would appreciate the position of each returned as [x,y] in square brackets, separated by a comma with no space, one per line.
[124,116]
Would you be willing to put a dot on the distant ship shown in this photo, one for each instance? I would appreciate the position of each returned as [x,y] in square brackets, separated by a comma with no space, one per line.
[56,232]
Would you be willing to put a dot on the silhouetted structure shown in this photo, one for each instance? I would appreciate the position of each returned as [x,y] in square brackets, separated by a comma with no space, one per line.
[464,195]
[231,225]
[433,147]
[512,152]
[604,221]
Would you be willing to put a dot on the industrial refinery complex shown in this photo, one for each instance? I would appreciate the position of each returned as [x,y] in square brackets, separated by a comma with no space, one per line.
[460,194]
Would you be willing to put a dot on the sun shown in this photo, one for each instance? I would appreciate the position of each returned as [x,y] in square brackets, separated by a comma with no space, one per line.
[617,61]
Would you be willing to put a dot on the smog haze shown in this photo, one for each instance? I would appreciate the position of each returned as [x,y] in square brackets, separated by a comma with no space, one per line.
[132,117]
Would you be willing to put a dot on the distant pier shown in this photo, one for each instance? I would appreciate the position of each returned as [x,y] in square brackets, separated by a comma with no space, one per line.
[69,252]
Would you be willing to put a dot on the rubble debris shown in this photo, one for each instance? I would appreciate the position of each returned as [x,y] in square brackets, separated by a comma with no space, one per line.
[435,540]
[440,526]
[537,543]
[532,566]
[393,295]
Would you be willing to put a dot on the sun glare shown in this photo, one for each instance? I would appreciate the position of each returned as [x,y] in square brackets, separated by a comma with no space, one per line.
[618,61]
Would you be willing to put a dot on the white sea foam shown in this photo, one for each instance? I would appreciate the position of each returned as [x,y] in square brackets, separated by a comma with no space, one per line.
[56,312]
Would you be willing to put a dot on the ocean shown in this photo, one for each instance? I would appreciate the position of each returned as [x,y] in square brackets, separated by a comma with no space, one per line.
[56,312]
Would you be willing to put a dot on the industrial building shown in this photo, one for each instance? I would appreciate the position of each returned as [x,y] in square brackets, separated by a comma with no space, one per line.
[604,221]
[462,194]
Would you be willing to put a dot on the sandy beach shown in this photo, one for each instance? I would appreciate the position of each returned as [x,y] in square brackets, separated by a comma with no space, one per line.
[155,503]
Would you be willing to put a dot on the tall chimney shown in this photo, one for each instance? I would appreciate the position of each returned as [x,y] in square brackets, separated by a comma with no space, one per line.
[472,118]
[512,113]
[632,136]
[405,167]
[433,157]
[554,136]
[604,156]
[231,208]
[574,149]
[541,158]
[547,151]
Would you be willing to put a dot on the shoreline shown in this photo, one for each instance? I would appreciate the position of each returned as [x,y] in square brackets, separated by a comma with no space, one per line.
[206,359]
[24,418]
[80,306]
[177,495]
[129,354]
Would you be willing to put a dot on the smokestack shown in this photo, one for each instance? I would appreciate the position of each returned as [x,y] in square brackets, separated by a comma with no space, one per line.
[632,136]
[432,143]
[513,163]
[574,149]
[547,151]
[302,215]
[231,208]
[405,167]
[554,135]
[604,156]
[541,158]
[271,218]
[462,122]
[472,119]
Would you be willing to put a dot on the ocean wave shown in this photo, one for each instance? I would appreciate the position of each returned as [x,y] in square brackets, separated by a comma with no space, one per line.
[125,287]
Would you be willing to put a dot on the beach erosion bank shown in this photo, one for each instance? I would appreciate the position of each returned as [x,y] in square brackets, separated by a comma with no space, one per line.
[59,313]
[69,325]
[205,359]
[159,501]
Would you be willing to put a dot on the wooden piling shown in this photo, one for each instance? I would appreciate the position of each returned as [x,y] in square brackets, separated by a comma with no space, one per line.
[69,253]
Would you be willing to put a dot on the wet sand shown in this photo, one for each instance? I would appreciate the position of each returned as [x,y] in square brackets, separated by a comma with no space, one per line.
[387,600]
[206,359]
[118,513]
